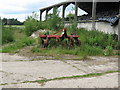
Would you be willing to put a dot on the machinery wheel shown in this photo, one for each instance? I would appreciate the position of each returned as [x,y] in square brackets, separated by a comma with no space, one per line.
[77,42]
[44,43]
[71,42]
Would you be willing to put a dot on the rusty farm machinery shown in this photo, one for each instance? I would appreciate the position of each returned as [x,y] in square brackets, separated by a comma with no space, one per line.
[71,39]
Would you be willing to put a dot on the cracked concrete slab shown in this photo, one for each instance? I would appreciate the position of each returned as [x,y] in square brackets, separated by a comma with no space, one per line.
[46,69]
[6,57]
[16,71]
[104,81]
[101,64]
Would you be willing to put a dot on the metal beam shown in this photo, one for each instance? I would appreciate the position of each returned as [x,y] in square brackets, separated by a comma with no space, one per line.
[94,14]
[59,4]
[63,10]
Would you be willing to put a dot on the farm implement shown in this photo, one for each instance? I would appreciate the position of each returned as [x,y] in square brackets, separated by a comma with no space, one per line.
[71,39]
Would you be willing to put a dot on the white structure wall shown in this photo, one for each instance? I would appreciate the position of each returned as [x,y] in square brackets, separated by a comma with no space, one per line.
[100,26]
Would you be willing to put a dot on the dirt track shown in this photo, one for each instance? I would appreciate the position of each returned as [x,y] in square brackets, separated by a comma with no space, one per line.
[17,69]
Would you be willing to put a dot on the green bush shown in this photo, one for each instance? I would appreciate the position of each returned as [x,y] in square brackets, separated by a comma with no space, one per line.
[35,50]
[91,50]
[7,35]
[54,22]
[32,24]
[108,51]
[25,41]
[93,43]
[82,51]
[28,41]
[96,38]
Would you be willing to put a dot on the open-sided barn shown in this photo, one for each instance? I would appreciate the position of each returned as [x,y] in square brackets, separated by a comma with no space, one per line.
[103,16]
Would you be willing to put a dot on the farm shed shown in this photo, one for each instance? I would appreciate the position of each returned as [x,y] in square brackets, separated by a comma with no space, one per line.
[103,16]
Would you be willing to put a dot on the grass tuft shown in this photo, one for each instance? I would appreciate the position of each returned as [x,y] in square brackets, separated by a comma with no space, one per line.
[73,77]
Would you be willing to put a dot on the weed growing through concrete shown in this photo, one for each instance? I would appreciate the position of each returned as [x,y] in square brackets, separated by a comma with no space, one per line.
[65,77]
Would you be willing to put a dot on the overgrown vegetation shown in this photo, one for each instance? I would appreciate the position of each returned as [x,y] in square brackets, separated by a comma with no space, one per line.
[11,21]
[14,47]
[97,38]
[54,22]
[32,24]
[14,38]
[81,51]
[72,77]
[93,42]
[66,77]
[7,35]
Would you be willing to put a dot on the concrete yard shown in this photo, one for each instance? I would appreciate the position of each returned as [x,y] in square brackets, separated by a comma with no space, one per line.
[17,69]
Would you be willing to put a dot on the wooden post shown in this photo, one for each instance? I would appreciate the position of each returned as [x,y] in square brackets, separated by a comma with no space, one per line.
[93,14]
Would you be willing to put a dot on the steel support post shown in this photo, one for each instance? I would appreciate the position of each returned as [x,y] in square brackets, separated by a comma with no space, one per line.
[40,15]
[46,14]
[63,11]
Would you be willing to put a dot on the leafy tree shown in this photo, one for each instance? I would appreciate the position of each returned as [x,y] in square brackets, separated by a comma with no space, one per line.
[70,16]
[11,21]
[4,20]
[49,15]
[32,24]
[54,22]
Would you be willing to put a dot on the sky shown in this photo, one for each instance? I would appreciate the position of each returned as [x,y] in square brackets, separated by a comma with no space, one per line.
[20,9]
